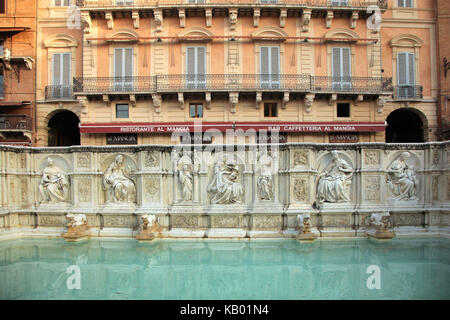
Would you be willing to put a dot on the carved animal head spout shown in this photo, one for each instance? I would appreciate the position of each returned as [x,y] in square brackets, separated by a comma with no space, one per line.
[148,221]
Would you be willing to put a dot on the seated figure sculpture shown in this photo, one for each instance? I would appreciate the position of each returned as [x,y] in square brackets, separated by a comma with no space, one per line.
[224,186]
[401,179]
[118,183]
[54,186]
[334,181]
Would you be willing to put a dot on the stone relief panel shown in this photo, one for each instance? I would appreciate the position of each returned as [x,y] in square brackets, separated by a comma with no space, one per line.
[185,221]
[23,161]
[12,161]
[300,158]
[54,186]
[448,188]
[401,178]
[436,157]
[84,189]
[337,220]
[300,189]
[151,189]
[226,186]
[408,219]
[372,188]
[152,159]
[230,221]
[267,222]
[371,157]
[83,160]
[267,167]
[24,193]
[118,221]
[51,220]
[119,182]
[334,180]
[435,188]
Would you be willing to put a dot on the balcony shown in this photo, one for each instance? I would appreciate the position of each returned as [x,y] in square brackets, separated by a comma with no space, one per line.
[15,123]
[59,93]
[315,4]
[232,83]
[408,93]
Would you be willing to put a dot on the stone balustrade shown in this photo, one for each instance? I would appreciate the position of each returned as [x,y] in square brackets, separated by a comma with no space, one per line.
[242,192]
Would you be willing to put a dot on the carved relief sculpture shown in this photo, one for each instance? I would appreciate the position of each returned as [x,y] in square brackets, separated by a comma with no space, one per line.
[54,186]
[149,225]
[225,186]
[77,227]
[381,223]
[118,183]
[401,178]
[304,223]
[184,168]
[334,181]
[265,181]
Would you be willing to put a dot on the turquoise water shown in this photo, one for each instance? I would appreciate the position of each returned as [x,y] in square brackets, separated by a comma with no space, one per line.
[172,269]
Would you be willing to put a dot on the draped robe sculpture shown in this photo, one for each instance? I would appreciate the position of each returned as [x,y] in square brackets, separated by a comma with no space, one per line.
[54,186]
[401,179]
[225,186]
[118,183]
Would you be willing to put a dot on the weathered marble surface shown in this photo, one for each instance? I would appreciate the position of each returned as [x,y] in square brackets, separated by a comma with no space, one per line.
[218,192]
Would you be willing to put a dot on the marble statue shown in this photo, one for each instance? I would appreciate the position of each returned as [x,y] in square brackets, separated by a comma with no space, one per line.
[265,181]
[148,220]
[54,186]
[225,186]
[184,168]
[334,181]
[76,220]
[401,178]
[304,221]
[118,183]
[380,220]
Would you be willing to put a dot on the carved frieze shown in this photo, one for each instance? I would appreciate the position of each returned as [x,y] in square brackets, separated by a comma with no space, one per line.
[371,157]
[267,222]
[185,221]
[152,159]
[84,160]
[300,158]
[300,189]
[84,189]
[372,188]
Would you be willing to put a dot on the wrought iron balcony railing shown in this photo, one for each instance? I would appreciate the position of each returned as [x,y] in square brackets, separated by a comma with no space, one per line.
[408,92]
[357,85]
[59,93]
[233,82]
[15,122]
[351,4]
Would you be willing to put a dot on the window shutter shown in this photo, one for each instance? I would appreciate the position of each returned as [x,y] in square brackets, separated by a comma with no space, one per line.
[190,68]
[337,63]
[57,69]
[118,63]
[346,64]
[201,60]
[66,75]
[128,66]
[408,3]
[265,60]
[402,62]
[411,69]
[275,61]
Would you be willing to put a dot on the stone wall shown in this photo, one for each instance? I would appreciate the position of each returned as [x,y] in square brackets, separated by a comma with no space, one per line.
[216,192]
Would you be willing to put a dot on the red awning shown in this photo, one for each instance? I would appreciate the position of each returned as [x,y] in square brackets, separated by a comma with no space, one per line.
[169,127]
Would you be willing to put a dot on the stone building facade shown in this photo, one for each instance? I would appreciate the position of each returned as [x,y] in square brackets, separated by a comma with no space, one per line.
[17,72]
[443,39]
[324,71]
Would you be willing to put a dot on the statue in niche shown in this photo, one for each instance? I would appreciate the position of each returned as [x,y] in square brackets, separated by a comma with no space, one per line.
[265,181]
[225,186]
[184,168]
[401,178]
[334,181]
[54,186]
[118,183]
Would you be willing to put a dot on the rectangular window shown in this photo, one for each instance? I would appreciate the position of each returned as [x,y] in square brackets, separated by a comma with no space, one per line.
[196,67]
[61,75]
[339,3]
[406,78]
[124,2]
[2,6]
[123,69]
[270,109]
[341,63]
[196,110]
[122,111]
[270,67]
[63,3]
[343,110]
[405,3]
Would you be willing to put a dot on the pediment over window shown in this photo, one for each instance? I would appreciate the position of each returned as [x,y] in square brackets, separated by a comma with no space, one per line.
[406,40]
[122,35]
[197,34]
[60,41]
[270,33]
[337,35]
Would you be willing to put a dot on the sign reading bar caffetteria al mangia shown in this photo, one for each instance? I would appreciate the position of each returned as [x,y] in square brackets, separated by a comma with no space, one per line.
[170,127]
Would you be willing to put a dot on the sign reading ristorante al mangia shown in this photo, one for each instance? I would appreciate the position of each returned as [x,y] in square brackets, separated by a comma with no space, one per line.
[316,127]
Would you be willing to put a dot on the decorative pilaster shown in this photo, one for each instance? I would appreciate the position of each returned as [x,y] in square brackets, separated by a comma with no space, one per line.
[359,98]
[106,99]
[354,18]
[158,19]
[182,16]
[133,100]
[181,100]
[333,98]
[285,100]
[306,19]
[234,100]
[208,100]
[157,100]
[256,15]
[309,99]
[232,18]
[208,16]
[109,20]
[258,100]
[329,18]
[86,22]
[84,104]
[381,102]
[135,17]
[283,16]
